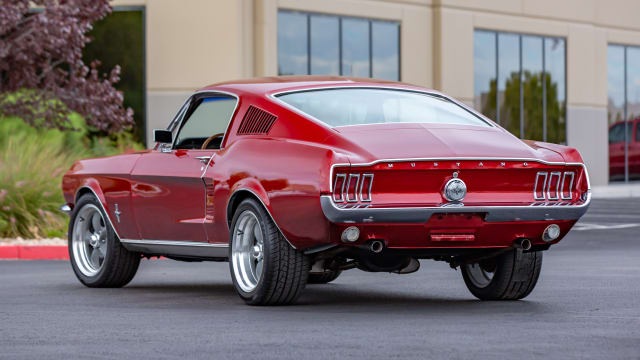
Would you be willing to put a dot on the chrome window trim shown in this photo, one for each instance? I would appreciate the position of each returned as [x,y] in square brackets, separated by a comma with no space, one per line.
[183,109]
[344,181]
[551,175]
[544,185]
[355,189]
[274,97]
[362,185]
[564,176]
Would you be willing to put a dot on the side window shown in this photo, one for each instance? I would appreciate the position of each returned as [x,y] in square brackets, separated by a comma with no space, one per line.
[206,117]
[616,134]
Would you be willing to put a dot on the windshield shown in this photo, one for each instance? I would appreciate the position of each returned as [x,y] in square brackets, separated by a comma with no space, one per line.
[361,106]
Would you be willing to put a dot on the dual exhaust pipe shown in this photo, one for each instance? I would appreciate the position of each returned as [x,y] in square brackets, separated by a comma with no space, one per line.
[524,244]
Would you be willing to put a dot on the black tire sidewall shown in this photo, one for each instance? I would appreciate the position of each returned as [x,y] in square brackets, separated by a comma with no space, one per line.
[503,278]
[112,240]
[268,243]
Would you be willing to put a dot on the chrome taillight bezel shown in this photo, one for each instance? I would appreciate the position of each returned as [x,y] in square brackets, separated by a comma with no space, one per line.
[545,192]
[352,187]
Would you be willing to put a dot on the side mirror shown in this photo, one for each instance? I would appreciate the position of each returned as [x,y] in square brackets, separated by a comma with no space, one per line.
[162,136]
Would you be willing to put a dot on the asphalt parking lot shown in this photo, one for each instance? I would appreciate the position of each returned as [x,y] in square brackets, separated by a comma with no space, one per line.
[586,305]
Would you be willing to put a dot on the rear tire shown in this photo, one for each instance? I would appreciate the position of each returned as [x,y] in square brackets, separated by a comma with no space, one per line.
[265,268]
[510,276]
[97,257]
[323,278]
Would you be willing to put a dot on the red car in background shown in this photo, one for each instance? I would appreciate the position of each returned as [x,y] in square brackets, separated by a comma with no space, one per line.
[296,179]
[617,149]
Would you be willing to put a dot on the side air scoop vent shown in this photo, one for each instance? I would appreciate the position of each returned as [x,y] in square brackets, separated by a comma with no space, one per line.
[256,122]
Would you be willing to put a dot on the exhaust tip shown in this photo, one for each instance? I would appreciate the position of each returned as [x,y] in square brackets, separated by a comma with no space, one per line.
[376,246]
[524,244]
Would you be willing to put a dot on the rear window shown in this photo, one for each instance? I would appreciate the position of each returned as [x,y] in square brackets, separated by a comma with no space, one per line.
[360,106]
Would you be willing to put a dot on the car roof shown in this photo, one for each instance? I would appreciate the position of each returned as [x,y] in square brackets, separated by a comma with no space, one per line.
[274,84]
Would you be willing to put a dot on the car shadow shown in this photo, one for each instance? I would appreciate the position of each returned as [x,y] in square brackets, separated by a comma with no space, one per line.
[329,297]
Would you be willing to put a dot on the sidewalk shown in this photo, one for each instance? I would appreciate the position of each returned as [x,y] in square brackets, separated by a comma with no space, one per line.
[616,191]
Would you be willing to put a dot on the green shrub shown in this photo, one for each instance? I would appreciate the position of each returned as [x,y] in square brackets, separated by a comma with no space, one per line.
[32,162]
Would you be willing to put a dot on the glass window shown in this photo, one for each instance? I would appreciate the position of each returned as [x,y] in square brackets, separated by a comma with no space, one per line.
[509,82]
[623,111]
[355,47]
[325,54]
[532,87]
[333,45]
[484,84]
[527,105]
[119,39]
[385,47]
[292,43]
[211,116]
[340,107]
[554,61]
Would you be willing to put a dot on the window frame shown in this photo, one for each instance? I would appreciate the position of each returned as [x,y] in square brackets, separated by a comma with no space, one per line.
[340,18]
[544,39]
[175,126]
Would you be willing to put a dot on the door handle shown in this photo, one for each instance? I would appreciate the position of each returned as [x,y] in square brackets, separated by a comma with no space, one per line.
[204,159]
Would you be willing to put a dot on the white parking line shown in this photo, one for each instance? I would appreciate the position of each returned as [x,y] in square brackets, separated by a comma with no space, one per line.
[588,226]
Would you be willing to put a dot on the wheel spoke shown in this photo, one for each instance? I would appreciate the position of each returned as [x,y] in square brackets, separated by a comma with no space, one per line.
[95,222]
[259,265]
[95,258]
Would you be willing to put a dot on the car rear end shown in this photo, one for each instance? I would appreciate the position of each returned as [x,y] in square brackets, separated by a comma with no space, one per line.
[493,203]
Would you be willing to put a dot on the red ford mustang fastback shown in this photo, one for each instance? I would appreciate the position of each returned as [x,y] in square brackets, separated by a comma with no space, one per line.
[296,179]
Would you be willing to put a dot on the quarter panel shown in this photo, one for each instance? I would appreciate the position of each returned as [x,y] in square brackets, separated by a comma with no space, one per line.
[288,176]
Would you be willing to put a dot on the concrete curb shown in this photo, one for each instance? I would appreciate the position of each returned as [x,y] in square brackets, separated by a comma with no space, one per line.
[34,252]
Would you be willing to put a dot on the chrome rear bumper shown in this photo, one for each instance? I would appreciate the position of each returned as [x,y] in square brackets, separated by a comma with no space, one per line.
[339,215]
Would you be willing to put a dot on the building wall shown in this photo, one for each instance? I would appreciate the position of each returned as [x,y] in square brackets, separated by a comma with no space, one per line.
[588,26]
[192,43]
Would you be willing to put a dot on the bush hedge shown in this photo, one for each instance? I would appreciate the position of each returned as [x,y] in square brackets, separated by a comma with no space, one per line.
[32,162]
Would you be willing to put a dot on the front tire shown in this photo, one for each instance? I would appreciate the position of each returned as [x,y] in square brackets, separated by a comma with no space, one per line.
[97,257]
[510,276]
[265,269]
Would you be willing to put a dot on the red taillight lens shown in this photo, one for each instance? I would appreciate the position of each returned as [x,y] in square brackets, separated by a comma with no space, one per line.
[540,185]
[567,185]
[554,186]
[338,187]
[352,187]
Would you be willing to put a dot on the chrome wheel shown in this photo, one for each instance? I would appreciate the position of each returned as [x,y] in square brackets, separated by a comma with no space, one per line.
[479,276]
[89,240]
[247,251]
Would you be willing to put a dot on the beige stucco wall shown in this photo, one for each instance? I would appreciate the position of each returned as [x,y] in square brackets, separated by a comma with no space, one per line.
[191,43]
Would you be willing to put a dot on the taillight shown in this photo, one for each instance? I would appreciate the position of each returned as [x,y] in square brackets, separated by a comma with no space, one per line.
[352,187]
[338,187]
[566,192]
[554,185]
[365,187]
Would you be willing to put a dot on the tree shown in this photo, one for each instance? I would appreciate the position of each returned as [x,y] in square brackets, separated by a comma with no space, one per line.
[42,75]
